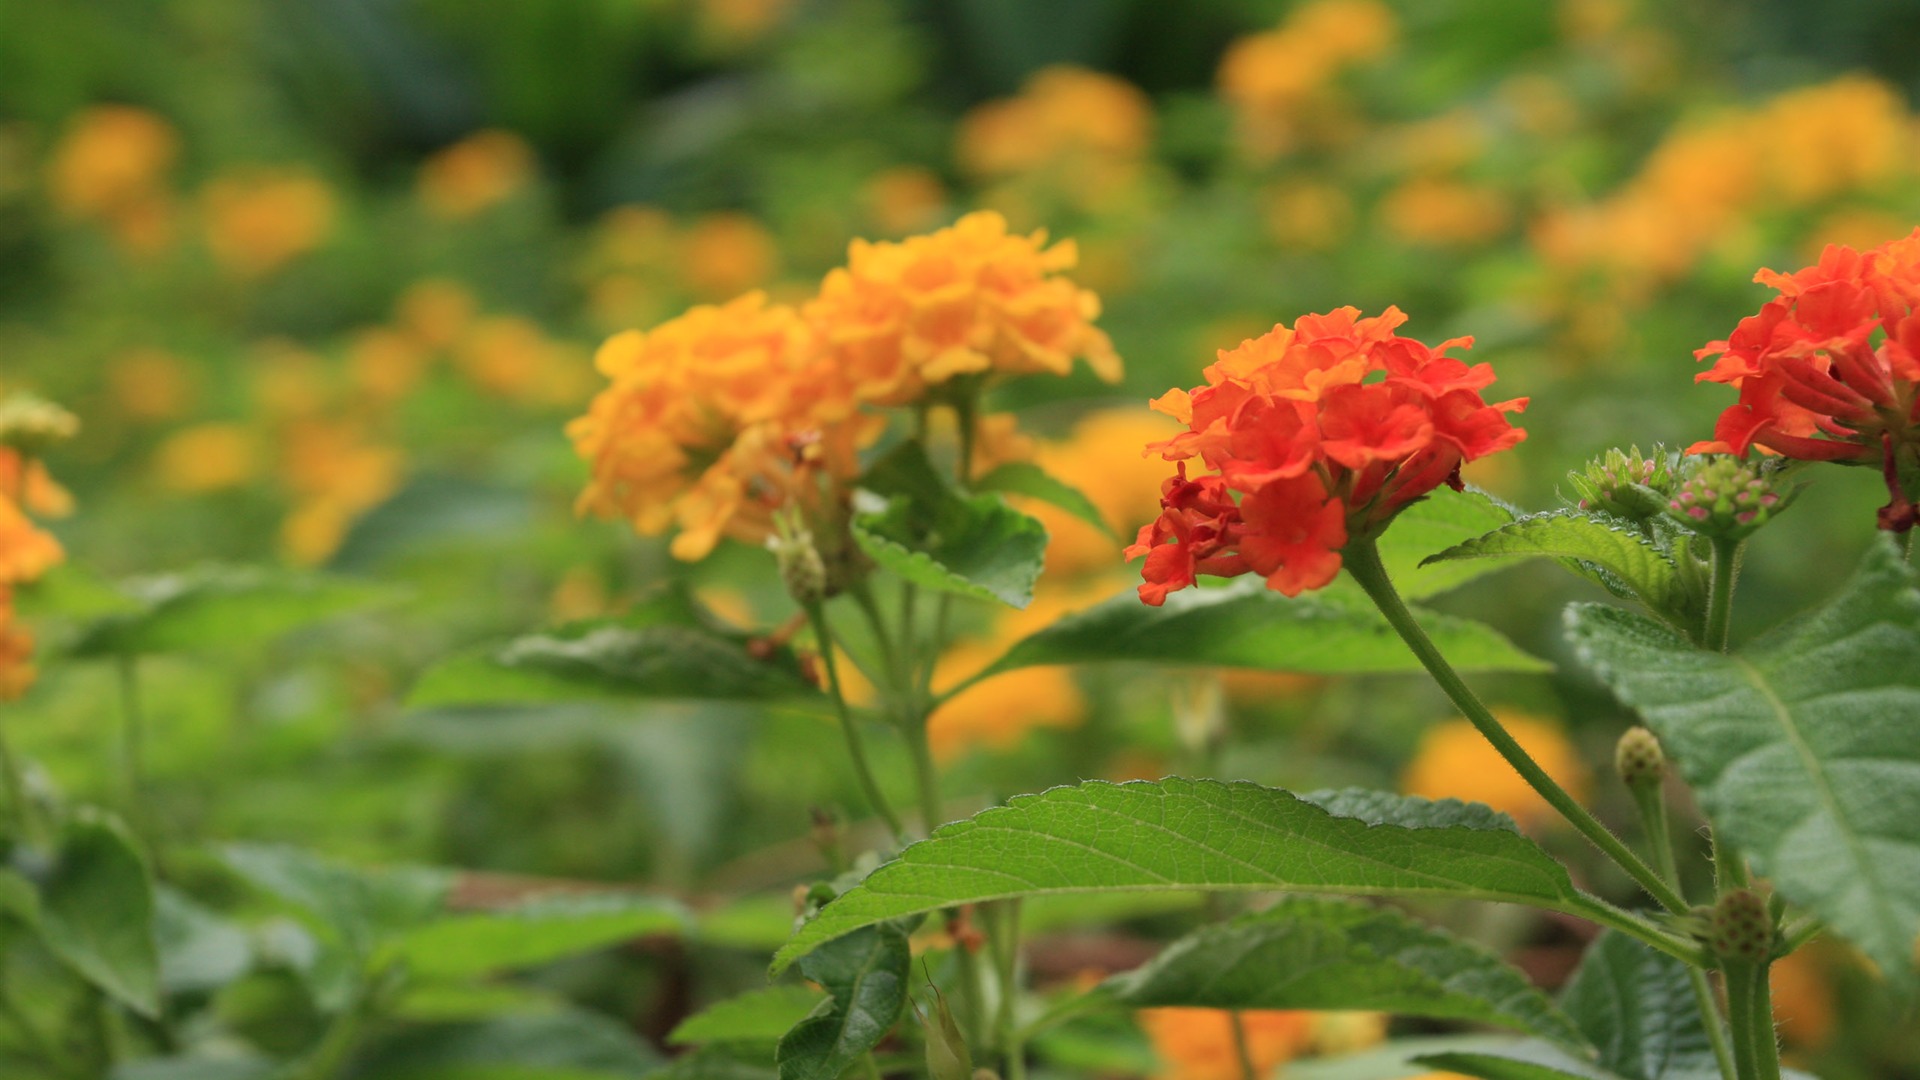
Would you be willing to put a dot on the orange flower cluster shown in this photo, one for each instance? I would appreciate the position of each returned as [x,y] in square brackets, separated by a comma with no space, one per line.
[1274,79]
[717,418]
[1314,433]
[1829,370]
[26,554]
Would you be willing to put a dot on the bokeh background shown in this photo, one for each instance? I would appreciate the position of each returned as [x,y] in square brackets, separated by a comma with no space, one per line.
[323,278]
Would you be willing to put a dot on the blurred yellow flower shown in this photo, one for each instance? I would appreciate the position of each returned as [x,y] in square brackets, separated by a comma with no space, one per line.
[335,471]
[476,174]
[968,299]
[513,358]
[581,593]
[1429,212]
[36,491]
[904,199]
[1307,214]
[1093,129]
[734,23]
[208,457]
[1803,999]
[386,364]
[1271,79]
[997,713]
[111,157]
[16,651]
[726,253]
[1455,762]
[435,311]
[150,384]
[258,220]
[26,551]
[1101,458]
[1198,1044]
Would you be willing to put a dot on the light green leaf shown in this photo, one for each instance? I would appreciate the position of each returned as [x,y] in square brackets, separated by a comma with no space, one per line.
[219,607]
[1194,834]
[1329,954]
[1804,748]
[97,911]
[462,946]
[1026,478]
[1441,520]
[714,1063]
[866,975]
[755,1016]
[941,539]
[663,649]
[1525,1061]
[569,1044]
[1622,561]
[363,907]
[199,950]
[1636,1006]
[1247,625]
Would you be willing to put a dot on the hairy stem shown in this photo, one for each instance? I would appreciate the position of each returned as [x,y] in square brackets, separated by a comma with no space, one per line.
[1756,1049]
[1362,560]
[1726,561]
[1652,805]
[1004,926]
[856,749]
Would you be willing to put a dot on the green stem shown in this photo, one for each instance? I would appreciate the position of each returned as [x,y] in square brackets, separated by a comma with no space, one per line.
[1726,561]
[132,734]
[343,1034]
[1005,931]
[883,640]
[1653,818]
[1241,1050]
[1729,869]
[855,748]
[1756,1049]
[1639,927]
[872,1070]
[1799,933]
[1362,560]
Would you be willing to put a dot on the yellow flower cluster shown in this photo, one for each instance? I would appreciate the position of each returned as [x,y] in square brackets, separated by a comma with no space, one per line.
[1275,79]
[1199,1044]
[475,174]
[1082,133]
[27,552]
[1455,762]
[717,418]
[1703,184]
[112,165]
[641,262]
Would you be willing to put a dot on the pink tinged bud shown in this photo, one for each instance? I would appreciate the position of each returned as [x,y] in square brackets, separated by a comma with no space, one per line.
[1699,513]
[1674,506]
[1769,500]
[1747,517]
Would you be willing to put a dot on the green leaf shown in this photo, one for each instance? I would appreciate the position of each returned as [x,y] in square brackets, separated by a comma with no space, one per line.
[1622,561]
[1527,1061]
[755,1016]
[714,1063]
[199,950]
[568,1044]
[866,975]
[1195,834]
[363,907]
[1636,1006]
[1329,954]
[219,607]
[1026,478]
[1441,520]
[463,946]
[1247,625]
[937,538]
[1803,748]
[97,911]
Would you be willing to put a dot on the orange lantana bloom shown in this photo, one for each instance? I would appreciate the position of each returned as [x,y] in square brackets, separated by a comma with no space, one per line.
[1315,433]
[902,317]
[26,552]
[1830,369]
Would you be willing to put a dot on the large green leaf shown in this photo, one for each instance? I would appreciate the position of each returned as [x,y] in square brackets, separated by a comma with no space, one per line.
[941,539]
[1026,478]
[865,974]
[1308,953]
[661,649]
[1247,625]
[1804,748]
[1623,561]
[1441,520]
[1529,1061]
[363,907]
[539,932]
[1199,834]
[219,607]
[564,1045]
[1636,1006]
[97,911]
[762,1015]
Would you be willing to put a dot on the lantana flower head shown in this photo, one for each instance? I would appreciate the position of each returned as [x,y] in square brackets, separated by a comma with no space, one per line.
[713,421]
[903,317]
[1829,370]
[1312,435]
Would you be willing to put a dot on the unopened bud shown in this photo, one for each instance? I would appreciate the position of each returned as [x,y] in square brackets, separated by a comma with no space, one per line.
[1741,929]
[1639,759]
[948,1057]
[801,569]
[1728,498]
[30,423]
[1625,484]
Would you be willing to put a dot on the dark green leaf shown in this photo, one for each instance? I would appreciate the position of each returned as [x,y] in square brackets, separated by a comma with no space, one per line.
[1527,1061]
[1615,557]
[866,975]
[461,946]
[1194,834]
[755,1016]
[1247,625]
[1636,1006]
[363,907]
[1804,747]
[941,539]
[219,607]
[1329,954]
[97,911]
[1026,478]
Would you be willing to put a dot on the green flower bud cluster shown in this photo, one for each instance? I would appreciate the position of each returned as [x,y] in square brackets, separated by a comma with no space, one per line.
[1626,484]
[1639,759]
[1741,928]
[1728,498]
